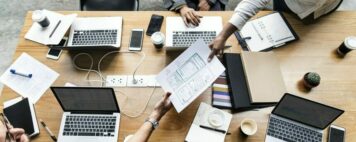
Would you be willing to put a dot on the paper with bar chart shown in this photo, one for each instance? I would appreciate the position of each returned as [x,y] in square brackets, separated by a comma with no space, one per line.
[189,75]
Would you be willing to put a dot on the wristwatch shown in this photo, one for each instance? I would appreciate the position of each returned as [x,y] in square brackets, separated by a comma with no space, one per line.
[153,122]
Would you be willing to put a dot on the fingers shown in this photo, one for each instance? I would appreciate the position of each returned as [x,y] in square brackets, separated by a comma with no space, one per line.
[168,94]
[211,55]
[185,21]
[17,132]
[192,18]
[24,138]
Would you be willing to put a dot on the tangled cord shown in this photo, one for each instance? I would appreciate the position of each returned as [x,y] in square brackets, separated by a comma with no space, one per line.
[103,80]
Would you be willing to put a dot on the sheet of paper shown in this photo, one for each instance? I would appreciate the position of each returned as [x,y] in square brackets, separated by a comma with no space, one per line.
[189,75]
[42,35]
[34,87]
[198,134]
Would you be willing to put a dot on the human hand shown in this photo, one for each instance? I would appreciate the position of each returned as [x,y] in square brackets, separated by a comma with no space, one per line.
[17,134]
[203,5]
[216,46]
[190,16]
[161,108]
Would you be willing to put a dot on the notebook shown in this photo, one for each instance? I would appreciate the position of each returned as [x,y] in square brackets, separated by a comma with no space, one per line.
[238,87]
[212,118]
[264,77]
[21,114]
[267,32]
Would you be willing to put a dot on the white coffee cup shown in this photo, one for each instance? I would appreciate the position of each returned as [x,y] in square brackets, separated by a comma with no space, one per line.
[157,39]
[248,127]
[39,17]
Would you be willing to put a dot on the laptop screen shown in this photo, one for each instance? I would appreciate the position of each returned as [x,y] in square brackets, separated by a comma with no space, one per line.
[86,99]
[306,111]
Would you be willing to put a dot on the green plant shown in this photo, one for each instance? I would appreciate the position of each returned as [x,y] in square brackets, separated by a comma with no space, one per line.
[312,79]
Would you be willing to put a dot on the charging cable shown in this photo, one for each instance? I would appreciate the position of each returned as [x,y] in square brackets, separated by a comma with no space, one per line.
[103,80]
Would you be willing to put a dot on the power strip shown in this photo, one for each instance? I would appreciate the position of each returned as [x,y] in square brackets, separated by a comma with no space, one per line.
[128,81]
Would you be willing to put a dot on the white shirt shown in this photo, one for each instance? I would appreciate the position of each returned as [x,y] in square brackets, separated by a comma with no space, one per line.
[248,8]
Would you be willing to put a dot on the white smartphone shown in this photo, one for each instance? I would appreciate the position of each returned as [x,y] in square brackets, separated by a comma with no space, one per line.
[136,40]
[54,53]
[336,134]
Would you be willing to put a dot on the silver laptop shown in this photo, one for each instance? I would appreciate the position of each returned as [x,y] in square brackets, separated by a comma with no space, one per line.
[95,32]
[180,37]
[298,119]
[90,114]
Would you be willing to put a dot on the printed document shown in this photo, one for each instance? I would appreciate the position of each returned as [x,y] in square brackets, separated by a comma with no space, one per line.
[189,75]
[34,87]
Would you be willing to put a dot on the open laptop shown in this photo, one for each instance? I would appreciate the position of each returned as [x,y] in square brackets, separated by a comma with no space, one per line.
[298,119]
[180,37]
[90,114]
[95,32]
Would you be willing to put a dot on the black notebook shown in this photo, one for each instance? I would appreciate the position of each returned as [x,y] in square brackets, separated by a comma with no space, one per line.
[266,32]
[21,114]
[239,93]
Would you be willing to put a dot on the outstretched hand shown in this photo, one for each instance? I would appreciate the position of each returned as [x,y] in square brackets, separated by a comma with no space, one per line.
[161,108]
[17,134]
[216,46]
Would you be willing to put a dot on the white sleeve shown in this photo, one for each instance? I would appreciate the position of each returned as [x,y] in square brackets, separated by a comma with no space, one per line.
[245,10]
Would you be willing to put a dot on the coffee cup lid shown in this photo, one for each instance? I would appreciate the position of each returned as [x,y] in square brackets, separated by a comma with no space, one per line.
[350,42]
[157,37]
[38,16]
[252,123]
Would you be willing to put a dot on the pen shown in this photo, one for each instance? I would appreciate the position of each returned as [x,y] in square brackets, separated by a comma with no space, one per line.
[48,131]
[214,129]
[13,71]
[55,28]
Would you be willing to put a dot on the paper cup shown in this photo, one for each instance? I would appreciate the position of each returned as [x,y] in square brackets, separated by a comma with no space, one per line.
[346,46]
[248,127]
[39,17]
[157,39]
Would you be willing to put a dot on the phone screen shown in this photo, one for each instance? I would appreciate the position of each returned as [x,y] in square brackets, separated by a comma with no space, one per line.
[155,24]
[136,39]
[54,52]
[336,135]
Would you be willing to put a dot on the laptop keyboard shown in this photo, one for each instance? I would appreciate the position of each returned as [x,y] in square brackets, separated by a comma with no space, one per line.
[94,37]
[187,38]
[91,125]
[292,133]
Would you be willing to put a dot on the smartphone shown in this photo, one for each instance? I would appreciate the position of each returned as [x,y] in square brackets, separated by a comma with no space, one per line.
[136,40]
[155,24]
[54,53]
[336,134]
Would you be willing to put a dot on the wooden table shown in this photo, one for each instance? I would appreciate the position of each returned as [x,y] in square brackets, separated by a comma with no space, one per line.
[315,51]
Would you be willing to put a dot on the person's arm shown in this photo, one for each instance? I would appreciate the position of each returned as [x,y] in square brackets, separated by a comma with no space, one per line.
[242,13]
[160,109]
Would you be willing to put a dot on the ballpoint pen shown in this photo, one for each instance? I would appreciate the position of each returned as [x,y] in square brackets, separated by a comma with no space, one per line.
[55,28]
[213,129]
[48,131]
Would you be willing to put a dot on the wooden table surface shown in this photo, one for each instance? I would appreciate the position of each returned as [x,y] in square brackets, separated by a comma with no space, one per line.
[315,51]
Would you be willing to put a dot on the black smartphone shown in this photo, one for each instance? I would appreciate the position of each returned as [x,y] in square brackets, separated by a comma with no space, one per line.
[336,134]
[155,24]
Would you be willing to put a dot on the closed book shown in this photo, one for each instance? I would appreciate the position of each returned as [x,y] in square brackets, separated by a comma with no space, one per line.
[263,76]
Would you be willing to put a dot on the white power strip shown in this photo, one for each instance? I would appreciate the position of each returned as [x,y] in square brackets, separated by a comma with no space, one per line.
[128,81]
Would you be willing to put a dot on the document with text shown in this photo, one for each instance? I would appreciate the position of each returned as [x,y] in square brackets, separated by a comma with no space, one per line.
[190,74]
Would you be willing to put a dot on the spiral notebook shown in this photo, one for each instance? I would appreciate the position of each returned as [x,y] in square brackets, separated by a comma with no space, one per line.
[267,32]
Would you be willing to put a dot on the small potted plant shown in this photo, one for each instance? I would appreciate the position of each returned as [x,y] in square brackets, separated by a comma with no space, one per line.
[311,80]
